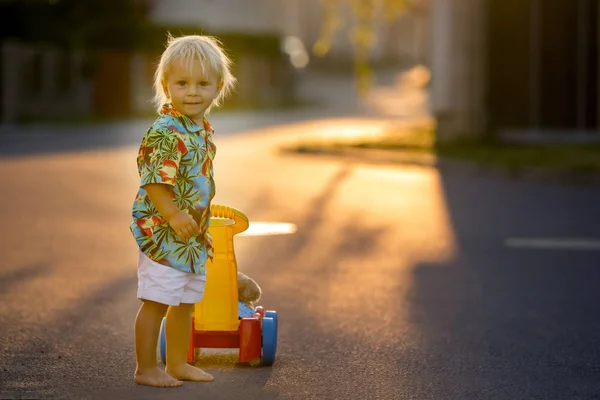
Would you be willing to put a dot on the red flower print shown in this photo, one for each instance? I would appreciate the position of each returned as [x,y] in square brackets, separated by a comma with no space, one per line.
[170,110]
[168,172]
[181,146]
[147,224]
[206,167]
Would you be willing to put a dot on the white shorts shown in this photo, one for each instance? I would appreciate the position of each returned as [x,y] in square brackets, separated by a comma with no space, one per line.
[168,285]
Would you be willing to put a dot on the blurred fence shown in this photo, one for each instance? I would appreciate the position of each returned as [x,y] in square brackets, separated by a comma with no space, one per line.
[42,81]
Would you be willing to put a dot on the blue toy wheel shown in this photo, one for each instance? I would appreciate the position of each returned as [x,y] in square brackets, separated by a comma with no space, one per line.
[269,340]
[162,342]
[272,314]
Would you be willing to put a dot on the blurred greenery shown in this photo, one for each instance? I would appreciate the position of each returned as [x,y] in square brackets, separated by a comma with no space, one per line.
[362,30]
[516,157]
[513,157]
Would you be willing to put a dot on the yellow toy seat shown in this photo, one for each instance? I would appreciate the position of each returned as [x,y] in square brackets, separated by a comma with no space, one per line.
[218,310]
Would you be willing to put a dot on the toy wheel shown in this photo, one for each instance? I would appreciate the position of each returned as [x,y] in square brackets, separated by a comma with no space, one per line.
[162,342]
[272,314]
[269,340]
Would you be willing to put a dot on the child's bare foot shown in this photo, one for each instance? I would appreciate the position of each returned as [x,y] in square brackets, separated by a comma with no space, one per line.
[188,372]
[156,377]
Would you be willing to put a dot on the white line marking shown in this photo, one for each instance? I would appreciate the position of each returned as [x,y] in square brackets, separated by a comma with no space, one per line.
[583,244]
[269,228]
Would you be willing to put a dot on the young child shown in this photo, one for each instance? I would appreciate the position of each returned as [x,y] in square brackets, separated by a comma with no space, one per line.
[171,211]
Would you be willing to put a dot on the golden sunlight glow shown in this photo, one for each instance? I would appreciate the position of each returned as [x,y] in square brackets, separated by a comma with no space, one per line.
[269,228]
[407,97]
[382,224]
[408,226]
[344,130]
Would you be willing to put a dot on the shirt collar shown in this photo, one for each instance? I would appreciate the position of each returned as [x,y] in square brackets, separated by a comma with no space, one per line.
[190,124]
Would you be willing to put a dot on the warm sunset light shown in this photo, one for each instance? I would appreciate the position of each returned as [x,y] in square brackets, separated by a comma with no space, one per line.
[269,228]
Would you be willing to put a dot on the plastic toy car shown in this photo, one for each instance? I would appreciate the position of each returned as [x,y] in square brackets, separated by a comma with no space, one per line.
[220,320]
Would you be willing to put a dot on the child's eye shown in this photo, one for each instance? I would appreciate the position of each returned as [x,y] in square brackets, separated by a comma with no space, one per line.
[180,83]
[204,83]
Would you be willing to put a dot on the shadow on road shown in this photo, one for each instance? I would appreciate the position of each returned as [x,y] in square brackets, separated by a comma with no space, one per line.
[67,356]
[502,323]
[20,274]
[316,285]
[489,322]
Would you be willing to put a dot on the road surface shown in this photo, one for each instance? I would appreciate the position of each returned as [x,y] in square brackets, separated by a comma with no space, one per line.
[401,282]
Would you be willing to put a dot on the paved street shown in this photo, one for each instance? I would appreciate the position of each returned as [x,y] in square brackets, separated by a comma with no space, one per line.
[398,284]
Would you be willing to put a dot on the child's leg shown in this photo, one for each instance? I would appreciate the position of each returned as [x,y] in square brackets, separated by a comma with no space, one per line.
[147,327]
[178,328]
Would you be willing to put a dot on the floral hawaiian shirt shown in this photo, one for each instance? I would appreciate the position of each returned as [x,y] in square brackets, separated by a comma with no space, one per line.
[176,152]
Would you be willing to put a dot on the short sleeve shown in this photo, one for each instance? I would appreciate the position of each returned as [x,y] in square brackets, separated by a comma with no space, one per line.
[159,156]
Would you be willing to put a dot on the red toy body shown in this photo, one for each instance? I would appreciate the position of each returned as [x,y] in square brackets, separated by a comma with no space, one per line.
[248,338]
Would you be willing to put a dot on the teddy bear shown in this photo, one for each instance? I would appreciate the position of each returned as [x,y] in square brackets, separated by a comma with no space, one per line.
[249,291]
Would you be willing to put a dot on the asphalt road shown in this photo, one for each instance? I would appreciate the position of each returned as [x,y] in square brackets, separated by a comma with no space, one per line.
[400,282]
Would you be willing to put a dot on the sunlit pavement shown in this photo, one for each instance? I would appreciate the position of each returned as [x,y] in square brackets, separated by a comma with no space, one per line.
[397,283]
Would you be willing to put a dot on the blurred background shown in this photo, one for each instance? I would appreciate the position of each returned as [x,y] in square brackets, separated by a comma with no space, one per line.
[514,67]
[69,59]
[437,163]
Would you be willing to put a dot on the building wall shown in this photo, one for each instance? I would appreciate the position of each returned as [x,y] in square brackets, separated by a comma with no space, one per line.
[458,65]
[500,67]
[42,81]
[543,70]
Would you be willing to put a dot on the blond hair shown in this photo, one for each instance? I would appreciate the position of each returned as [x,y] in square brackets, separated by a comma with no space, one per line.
[207,50]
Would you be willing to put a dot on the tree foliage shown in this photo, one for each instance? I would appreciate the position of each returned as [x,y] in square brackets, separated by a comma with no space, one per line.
[366,14]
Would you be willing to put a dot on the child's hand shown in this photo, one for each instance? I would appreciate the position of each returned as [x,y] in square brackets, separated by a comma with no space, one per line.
[184,225]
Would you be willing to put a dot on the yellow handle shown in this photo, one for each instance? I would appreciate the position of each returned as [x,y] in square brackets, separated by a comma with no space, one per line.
[239,219]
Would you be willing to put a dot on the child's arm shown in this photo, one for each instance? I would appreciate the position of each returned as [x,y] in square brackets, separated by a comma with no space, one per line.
[182,223]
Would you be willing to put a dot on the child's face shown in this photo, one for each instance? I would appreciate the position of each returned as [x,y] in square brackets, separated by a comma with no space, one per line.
[191,91]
